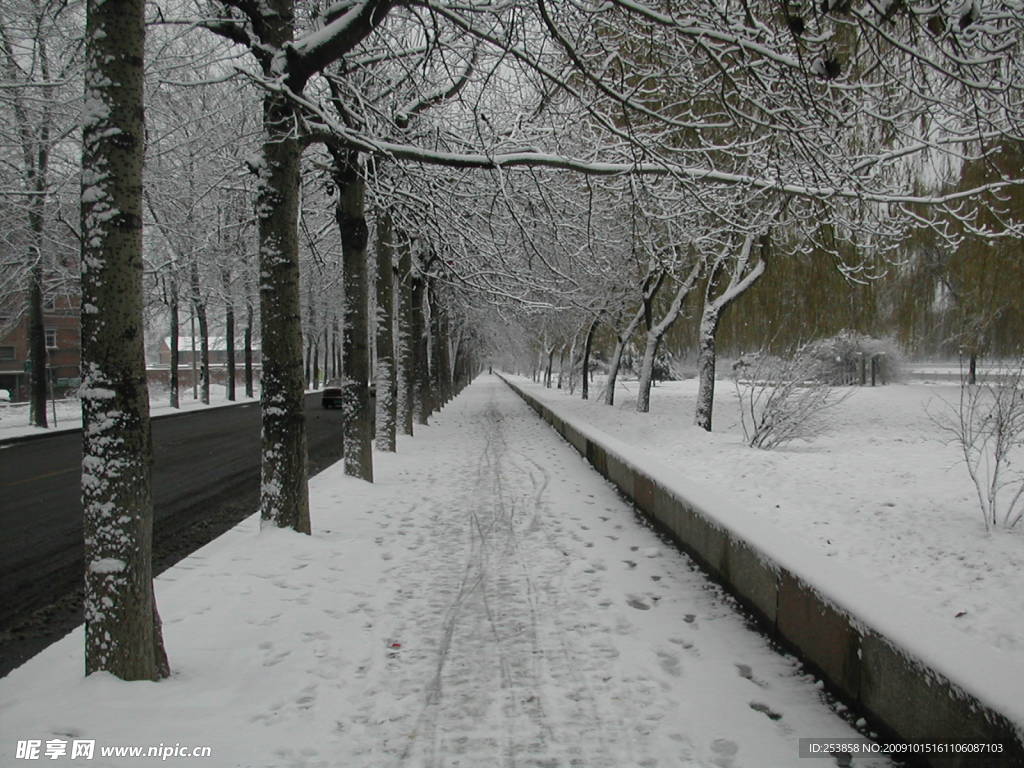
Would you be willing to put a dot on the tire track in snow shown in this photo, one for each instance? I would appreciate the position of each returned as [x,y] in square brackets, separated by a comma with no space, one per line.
[554,631]
[503,648]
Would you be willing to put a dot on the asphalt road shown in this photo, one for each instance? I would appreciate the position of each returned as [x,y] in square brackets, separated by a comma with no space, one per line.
[205,479]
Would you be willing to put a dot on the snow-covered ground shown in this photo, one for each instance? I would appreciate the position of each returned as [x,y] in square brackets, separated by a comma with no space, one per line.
[489,601]
[882,492]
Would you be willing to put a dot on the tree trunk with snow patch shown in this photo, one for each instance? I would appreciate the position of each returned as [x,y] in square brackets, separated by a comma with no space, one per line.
[122,625]
[175,331]
[351,216]
[406,341]
[587,346]
[743,274]
[284,492]
[387,379]
[706,358]
[420,367]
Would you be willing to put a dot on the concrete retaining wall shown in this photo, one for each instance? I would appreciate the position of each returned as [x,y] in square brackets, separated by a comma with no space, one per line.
[871,672]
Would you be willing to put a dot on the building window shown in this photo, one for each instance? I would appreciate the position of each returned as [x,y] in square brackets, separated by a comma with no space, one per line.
[49,302]
[51,338]
[6,353]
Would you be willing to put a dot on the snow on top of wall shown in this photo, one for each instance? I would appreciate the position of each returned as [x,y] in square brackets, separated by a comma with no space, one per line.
[990,675]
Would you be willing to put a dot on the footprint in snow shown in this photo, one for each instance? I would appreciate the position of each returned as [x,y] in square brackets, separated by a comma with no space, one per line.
[747,673]
[635,602]
[724,751]
[770,713]
[670,663]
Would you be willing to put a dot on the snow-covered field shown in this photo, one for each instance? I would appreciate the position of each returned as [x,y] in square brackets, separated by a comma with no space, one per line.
[882,492]
[489,601]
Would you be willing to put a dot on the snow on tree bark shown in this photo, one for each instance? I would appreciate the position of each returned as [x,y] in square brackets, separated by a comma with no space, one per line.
[743,275]
[406,341]
[387,379]
[229,323]
[36,331]
[706,368]
[351,216]
[173,342]
[436,357]
[229,335]
[247,344]
[446,357]
[284,493]
[420,367]
[656,332]
[122,626]
[585,366]
[199,308]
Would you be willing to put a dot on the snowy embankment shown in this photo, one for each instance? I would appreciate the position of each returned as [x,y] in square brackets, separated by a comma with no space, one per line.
[488,601]
[877,512]
[14,421]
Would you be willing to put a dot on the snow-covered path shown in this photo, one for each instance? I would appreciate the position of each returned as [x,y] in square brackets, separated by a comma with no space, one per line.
[489,601]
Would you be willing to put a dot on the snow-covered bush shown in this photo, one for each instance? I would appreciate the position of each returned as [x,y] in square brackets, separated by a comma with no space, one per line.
[846,358]
[663,366]
[783,399]
[987,425]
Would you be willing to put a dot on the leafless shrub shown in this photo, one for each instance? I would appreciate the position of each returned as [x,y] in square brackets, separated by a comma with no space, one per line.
[987,425]
[783,399]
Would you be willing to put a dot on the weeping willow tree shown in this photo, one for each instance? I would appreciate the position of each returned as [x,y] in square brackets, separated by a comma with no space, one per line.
[961,295]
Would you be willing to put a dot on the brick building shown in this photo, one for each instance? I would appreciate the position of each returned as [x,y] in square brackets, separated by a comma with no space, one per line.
[61,318]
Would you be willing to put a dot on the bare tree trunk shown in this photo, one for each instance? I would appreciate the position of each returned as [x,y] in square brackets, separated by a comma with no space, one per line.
[173,344]
[561,365]
[613,370]
[356,369]
[307,375]
[199,306]
[122,625]
[706,368]
[446,359]
[387,379]
[35,149]
[335,354]
[656,332]
[247,343]
[406,341]
[743,275]
[421,370]
[643,395]
[284,490]
[229,334]
[316,362]
[311,338]
[36,343]
[587,346]
[436,363]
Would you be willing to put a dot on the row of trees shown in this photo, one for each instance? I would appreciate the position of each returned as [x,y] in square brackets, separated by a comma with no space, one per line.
[539,172]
